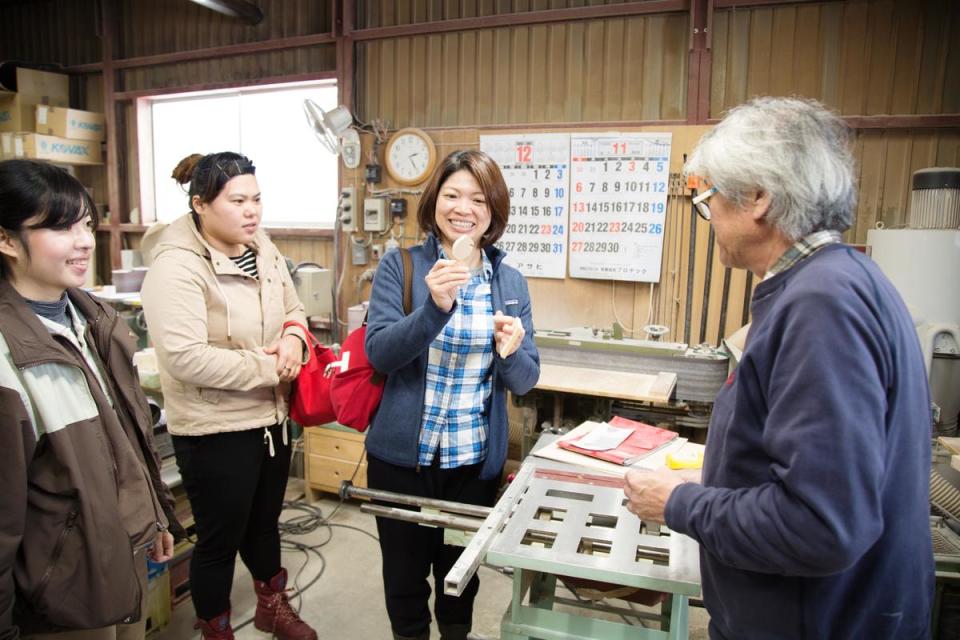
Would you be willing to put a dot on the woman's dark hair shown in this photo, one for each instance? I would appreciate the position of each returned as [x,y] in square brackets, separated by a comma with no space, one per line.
[488,176]
[208,174]
[46,196]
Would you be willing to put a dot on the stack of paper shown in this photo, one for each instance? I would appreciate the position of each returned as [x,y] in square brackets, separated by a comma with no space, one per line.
[620,441]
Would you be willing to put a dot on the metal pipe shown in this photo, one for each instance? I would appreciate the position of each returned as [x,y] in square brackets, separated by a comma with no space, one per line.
[466,565]
[723,305]
[419,517]
[691,265]
[349,490]
[747,290]
[706,286]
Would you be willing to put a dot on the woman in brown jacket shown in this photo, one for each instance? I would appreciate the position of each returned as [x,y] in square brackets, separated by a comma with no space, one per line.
[82,501]
[217,299]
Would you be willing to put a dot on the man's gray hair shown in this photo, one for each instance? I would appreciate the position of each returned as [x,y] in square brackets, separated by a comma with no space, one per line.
[795,150]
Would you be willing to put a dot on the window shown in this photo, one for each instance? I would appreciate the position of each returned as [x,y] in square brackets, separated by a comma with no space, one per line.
[297,176]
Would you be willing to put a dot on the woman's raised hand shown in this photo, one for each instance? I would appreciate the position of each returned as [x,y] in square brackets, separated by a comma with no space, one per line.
[443,280]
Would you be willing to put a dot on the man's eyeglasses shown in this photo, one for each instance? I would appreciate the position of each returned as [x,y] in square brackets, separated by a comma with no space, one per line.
[700,202]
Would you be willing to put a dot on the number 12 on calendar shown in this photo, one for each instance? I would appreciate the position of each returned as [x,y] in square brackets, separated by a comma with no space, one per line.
[536,168]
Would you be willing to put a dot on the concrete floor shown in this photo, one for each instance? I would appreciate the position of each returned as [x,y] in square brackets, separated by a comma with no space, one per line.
[347,599]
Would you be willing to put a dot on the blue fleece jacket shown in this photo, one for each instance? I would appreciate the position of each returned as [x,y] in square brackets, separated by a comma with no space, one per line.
[398,345]
[813,516]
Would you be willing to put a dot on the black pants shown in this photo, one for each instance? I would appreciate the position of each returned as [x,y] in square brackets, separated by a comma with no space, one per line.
[236,491]
[410,550]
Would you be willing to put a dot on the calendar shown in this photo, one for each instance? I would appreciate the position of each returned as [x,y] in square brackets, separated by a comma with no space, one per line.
[618,203]
[536,167]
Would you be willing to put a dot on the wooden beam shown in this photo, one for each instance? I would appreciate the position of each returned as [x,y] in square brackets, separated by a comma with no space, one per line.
[224,51]
[123,96]
[923,121]
[544,16]
[107,35]
[295,232]
[699,65]
[743,4]
[926,121]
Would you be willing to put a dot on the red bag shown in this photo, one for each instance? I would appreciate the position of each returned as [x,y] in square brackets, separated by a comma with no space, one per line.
[356,387]
[310,401]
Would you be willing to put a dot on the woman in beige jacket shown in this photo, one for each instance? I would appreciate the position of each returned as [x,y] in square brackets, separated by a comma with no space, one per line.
[217,299]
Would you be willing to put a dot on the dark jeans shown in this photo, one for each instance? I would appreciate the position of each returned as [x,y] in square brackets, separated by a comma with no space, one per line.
[410,550]
[236,491]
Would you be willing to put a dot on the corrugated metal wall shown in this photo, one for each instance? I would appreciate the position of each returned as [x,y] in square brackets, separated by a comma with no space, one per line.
[387,13]
[166,26]
[861,57]
[65,32]
[599,70]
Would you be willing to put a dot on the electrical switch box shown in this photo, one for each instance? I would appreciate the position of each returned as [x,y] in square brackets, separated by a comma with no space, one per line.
[359,253]
[348,209]
[375,215]
[398,207]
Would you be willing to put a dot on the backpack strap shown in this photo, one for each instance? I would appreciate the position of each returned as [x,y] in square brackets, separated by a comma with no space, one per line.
[407,281]
[407,284]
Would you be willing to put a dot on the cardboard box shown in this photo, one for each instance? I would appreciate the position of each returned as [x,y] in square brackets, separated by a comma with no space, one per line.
[32,88]
[70,123]
[32,82]
[41,147]
[6,145]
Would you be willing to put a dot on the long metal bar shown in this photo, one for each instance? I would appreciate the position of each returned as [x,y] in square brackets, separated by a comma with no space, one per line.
[691,266]
[349,490]
[707,279]
[747,294]
[466,565]
[543,16]
[233,84]
[419,517]
[722,325]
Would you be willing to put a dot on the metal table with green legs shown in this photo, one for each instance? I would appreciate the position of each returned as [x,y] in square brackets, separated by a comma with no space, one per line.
[568,528]
[557,519]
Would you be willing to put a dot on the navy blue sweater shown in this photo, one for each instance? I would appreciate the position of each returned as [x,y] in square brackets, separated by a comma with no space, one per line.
[399,345]
[813,516]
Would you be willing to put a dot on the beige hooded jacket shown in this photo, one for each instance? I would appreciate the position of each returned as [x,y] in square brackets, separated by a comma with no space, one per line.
[210,323]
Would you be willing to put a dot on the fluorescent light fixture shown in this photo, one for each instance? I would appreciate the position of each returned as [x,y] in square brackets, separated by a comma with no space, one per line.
[243,9]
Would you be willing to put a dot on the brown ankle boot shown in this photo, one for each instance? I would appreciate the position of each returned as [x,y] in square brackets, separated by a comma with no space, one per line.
[217,628]
[274,613]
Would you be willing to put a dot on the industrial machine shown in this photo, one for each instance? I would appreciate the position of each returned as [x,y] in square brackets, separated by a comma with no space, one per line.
[923,260]
[314,285]
[700,373]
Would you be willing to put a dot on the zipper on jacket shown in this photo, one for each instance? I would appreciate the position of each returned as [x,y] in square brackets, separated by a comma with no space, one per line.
[55,556]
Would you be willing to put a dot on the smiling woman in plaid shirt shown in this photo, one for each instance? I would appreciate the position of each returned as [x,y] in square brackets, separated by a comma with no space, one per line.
[441,429]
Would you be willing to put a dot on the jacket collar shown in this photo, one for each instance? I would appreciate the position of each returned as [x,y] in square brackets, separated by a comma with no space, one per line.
[432,246]
[183,233]
[28,339]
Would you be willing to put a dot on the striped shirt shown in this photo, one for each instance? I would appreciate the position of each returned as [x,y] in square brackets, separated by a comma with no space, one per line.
[247,262]
[459,379]
[803,248]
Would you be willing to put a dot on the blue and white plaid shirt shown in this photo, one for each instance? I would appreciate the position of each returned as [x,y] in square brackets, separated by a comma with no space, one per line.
[459,379]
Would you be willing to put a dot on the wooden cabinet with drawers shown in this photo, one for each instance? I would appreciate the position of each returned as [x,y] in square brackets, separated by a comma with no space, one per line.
[332,454]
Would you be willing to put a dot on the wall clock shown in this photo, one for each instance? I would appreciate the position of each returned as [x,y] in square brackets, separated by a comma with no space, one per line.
[410,156]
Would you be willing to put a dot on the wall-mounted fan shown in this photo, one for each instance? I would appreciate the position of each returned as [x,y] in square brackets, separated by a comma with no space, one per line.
[334,129]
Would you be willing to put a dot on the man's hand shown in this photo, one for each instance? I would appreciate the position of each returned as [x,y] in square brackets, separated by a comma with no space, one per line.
[162,549]
[648,492]
[289,352]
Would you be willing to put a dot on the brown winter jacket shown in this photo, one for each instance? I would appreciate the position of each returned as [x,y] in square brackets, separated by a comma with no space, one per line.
[81,482]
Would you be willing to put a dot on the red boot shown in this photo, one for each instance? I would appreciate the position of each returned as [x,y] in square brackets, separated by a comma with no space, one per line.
[217,628]
[274,613]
